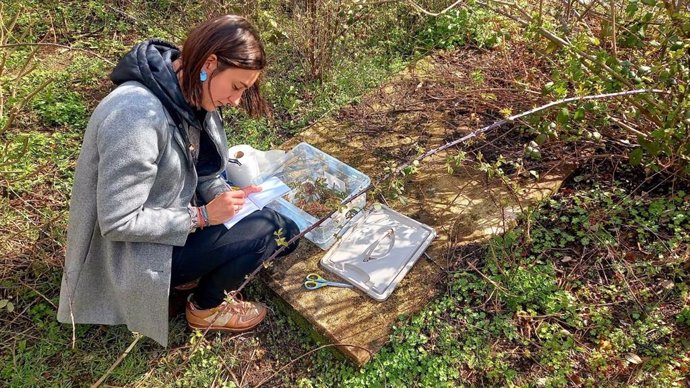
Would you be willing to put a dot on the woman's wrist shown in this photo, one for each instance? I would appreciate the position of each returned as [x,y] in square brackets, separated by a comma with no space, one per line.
[193,218]
[204,216]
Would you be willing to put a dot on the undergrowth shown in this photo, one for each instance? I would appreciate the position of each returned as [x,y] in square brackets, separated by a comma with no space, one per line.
[590,289]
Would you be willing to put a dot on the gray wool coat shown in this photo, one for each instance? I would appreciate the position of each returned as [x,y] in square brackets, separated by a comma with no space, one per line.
[128,209]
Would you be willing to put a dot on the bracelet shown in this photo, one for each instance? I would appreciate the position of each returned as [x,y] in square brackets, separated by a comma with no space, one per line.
[204,214]
[202,223]
[193,218]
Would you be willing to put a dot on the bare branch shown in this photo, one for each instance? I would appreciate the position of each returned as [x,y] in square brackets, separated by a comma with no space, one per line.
[511,119]
[61,46]
[15,110]
[613,27]
[424,11]
[117,362]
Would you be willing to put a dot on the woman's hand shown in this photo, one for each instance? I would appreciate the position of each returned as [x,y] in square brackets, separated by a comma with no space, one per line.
[227,204]
[251,189]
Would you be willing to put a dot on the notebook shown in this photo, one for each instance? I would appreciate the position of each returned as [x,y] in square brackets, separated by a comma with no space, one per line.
[271,189]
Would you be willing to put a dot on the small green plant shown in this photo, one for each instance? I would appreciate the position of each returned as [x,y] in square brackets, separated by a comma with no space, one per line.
[6,305]
[460,27]
[683,317]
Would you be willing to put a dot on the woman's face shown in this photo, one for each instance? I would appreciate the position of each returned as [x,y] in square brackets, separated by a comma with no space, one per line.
[225,87]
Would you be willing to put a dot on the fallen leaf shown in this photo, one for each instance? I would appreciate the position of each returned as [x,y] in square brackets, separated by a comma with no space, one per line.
[633,358]
[667,284]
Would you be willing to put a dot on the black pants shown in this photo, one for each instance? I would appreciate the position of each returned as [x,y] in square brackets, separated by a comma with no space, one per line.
[222,257]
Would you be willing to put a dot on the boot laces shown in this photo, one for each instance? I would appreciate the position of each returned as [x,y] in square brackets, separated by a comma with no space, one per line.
[234,303]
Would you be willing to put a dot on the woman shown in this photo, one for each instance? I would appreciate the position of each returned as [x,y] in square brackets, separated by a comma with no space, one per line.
[149,199]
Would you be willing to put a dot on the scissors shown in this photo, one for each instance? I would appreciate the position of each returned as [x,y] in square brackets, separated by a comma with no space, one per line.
[314,281]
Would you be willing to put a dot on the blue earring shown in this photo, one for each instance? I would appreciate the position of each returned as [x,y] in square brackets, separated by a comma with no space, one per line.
[203,76]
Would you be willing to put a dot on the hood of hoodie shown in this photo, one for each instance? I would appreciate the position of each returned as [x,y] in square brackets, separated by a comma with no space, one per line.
[150,63]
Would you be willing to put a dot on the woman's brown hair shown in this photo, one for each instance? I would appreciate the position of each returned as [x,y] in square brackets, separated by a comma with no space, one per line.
[236,44]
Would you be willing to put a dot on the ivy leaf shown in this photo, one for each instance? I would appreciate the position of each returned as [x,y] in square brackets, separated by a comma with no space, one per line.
[652,147]
[579,114]
[563,116]
[635,156]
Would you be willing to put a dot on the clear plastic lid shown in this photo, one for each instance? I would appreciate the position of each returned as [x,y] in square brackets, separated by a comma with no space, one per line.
[378,250]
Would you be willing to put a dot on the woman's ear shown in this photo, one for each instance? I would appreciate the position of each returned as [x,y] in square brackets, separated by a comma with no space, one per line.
[211,63]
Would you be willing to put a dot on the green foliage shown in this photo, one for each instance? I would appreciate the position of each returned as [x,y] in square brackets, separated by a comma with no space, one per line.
[461,27]
[650,52]
[574,222]
[520,319]
[204,365]
[572,330]
[59,108]
[534,289]
[683,317]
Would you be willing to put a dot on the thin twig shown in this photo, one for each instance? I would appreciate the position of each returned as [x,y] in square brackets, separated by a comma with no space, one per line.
[58,45]
[488,279]
[591,62]
[117,362]
[424,11]
[395,173]
[39,293]
[264,381]
[613,27]
[244,374]
[15,110]
[465,138]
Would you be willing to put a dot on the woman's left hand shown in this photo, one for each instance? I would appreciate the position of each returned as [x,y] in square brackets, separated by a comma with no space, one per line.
[251,189]
[246,190]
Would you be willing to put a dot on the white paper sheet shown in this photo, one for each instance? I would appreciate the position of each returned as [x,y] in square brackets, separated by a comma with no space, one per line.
[271,189]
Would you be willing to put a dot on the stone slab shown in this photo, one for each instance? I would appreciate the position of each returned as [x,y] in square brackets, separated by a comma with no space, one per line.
[465,207]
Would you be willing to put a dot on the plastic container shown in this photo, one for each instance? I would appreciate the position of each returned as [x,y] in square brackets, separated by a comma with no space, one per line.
[319,184]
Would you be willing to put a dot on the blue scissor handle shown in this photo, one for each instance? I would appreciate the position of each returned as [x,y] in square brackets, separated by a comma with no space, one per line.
[315,277]
[314,281]
[312,285]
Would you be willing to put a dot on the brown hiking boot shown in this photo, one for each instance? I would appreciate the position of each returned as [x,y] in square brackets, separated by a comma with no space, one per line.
[234,315]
